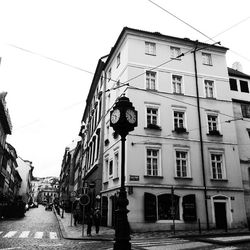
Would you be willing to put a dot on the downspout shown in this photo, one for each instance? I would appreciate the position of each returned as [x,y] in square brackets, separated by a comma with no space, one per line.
[201,139]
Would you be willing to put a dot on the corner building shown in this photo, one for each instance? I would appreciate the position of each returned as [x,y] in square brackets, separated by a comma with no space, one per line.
[182,163]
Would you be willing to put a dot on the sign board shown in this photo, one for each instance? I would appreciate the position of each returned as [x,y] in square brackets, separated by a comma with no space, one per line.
[134,177]
[84,200]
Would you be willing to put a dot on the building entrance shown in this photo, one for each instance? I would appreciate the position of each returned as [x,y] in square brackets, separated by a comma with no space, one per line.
[220,215]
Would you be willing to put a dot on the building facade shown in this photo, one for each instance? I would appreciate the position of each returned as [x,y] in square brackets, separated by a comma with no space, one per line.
[182,161]
[240,88]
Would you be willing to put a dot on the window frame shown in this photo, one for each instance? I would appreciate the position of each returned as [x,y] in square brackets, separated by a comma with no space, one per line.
[175,52]
[223,165]
[152,106]
[231,84]
[116,165]
[207,59]
[206,93]
[244,89]
[188,161]
[159,166]
[150,48]
[215,114]
[175,88]
[244,111]
[180,110]
[150,78]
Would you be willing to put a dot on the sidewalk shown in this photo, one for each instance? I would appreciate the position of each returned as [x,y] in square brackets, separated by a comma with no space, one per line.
[232,236]
[75,232]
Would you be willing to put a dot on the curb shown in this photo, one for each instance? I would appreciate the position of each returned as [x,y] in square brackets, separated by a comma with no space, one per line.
[65,236]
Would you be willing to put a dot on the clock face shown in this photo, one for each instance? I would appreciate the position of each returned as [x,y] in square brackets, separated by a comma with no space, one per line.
[131,116]
[115,116]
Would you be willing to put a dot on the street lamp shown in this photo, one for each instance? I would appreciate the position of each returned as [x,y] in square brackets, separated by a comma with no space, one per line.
[123,119]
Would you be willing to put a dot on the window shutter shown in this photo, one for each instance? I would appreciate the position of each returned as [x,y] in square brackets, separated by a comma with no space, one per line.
[150,207]
[189,208]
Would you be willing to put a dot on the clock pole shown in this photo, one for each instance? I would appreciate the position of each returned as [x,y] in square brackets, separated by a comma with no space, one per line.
[126,122]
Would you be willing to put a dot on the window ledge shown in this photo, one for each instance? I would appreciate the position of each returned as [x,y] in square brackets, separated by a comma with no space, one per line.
[223,180]
[154,90]
[176,93]
[152,126]
[153,176]
[148,54]
[105,182]
[115,178]
[180,131]
[183,178]
[206,64]
[215,134]
[211,98]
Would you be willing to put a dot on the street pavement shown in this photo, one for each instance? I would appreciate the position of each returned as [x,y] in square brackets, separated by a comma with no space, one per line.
[160,240]
[41,229]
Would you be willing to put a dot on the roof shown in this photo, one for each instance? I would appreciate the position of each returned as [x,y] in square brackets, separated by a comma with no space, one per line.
[236,73]
[159,36]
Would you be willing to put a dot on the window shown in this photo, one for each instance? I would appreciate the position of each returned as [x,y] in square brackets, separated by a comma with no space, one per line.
[165,210]
[233,84]
[109,74]
[213,123]
[206,59]
[209,89]
[116,164]
[179,119]
[106,169]
[175,52]
[150,80]
[177,84]
[182,167]
[150,48]
[217,165]
[152,116]
[111,168]
[153,161]
[118,60]
[244,86]
[245,109]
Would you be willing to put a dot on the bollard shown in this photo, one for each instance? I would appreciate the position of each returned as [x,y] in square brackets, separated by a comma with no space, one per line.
[199,225]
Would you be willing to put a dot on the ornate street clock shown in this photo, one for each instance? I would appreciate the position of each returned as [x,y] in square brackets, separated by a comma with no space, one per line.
[123,117]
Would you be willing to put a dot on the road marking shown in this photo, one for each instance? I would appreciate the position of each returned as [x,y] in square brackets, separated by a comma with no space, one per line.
[24,234]
[38,235]
[53,235]
[10,234]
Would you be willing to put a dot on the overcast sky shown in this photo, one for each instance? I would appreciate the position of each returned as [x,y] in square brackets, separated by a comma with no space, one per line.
[46,98]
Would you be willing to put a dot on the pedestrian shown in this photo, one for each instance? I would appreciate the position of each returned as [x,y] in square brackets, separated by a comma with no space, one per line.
[89,223]
[76,212]
[97,219]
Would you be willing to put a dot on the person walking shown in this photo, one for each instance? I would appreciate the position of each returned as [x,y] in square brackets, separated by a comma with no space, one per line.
[76,212]
[97,219]
[89,222]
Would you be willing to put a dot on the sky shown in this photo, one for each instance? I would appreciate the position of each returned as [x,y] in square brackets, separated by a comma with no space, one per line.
[50,49]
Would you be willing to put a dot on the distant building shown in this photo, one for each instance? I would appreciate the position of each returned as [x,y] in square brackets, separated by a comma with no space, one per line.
[45,189]
[25,170]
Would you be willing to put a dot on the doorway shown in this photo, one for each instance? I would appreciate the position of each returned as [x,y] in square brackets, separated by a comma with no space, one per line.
[220,215]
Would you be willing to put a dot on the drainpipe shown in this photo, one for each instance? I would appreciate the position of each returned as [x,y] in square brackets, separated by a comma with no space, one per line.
[201,140]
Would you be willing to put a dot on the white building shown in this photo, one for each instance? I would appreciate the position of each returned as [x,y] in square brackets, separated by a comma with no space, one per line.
[25,169]
[183,156]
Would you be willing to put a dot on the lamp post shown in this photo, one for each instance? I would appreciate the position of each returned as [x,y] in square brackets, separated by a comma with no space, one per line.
[123,119]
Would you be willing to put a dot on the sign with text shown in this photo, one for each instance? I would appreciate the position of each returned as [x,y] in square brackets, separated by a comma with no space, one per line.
[134,178]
